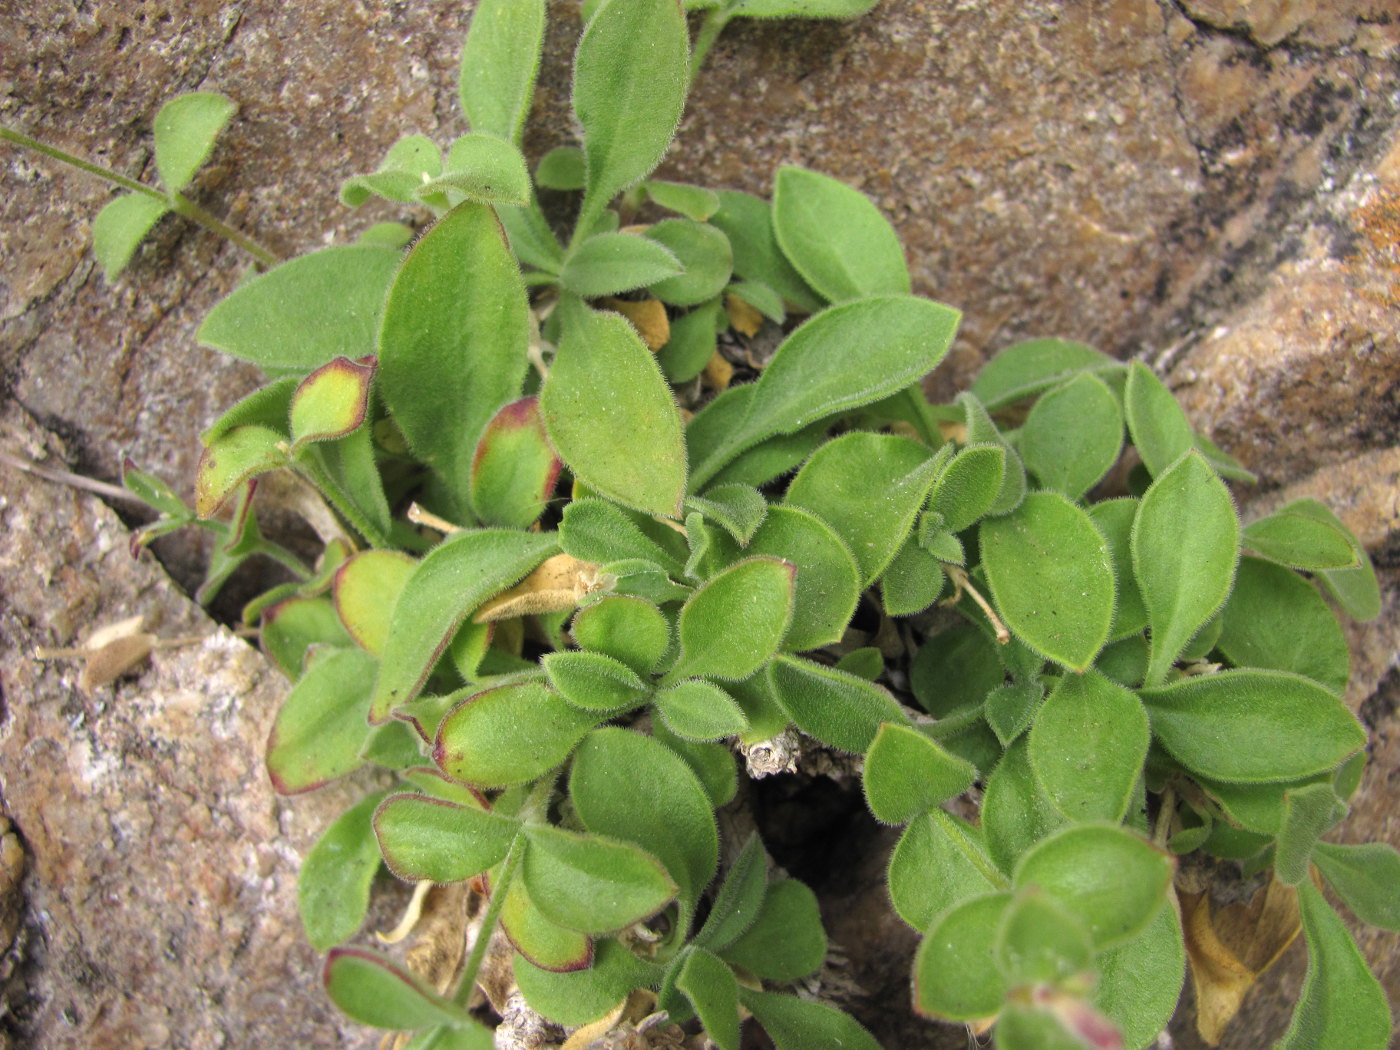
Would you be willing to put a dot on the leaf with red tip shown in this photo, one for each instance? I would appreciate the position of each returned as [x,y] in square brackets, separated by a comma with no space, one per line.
[366,588]
[331,401]
[541,941]
[514,468]
[233,459]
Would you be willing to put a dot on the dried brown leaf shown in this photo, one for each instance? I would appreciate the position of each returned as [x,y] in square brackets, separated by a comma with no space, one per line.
[744,318]
[560,582]
[648,317]
[118,657]
[718,373]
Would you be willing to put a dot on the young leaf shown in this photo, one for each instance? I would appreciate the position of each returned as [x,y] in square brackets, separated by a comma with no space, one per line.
[1073,435]
[1087,747]
[836,708]
[747,222]
[805,1024]
[482,167]
[120,227]
[1009,708]
[365,590]
[454,339]
[694,202]
[697,709]
[1041,941]
[982,430]
[185,130]
[514,468]
[330,402]
[1342,1004]
[868,488]
[1029,368]
[1111,879]
[303,313]
[612,770]
[268,406]
[321,727]
[499,63]
[1250,727]
[731,626]
[739,899]
[430,839]
[561,169]
[938,862]
[378,992]
[706,260]
[581,996]
[1051,576]
[907,774]
[590,883]
[334,882]
[740,509]
[631,73]
[786,941]
[1309,812]
[1160,430]
[691,344]
[835,237]
[594,681]
[1114,518]
[712,763]
[628,629]
[410,162]
[597,531]
[1366,877]
[1275,619]
[1301,541]
[449,584]
[231,460]
[509,735]
[956,977]
[605,382]
[1354,589]
[1185,545]
[608,263]
[714,993]
[1140,982]
[912,581]
[969,486]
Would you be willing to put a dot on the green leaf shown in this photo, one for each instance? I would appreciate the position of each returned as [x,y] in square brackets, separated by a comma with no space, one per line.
[912,581]
[786,941]
[712,989]
[713,764]
[939,862]
[1275,619]
[336,874]
[608,263]
[365,590]
[303,313]
[1366,877]
[762,298]
[450,583]
[740,509]
[1114,519]
[805,1024]
[628,629]
[1250,727]
[561,169]
[378,992]
[410,162]
[1111,879]
[475,1037]
[1088,745]
[692,343]
[836,708]
[1016,813]
[613,769]
[594,681]
[956,977]
[1051,576]
[731,626]
[699,710]
[499,62]
[185,130]
[120,227]
[739,898]
[330,402]
[1301,541]
[1309,812]
[1009,708]
[1158,425]
[706,260]
[581,996]
[747,222]
[1185,546]
[1342,1003]
[869,489]
[907,774]
[1041,941]
[319,731]
[969,486]
[485,168]
[509,735]
[539,939]
[428,839]
[953,671]
[898,341]
[982,430]
[1073,435]
[1140,981]
[694,202]
[835,237]
[233,459]
[1356,589]
[293,627]
[387,234]
[595,530]
[454,339]
[514,468]
[531,239]
[1032,367]
[590,883]
[606,382]
[268,406]
[631,73]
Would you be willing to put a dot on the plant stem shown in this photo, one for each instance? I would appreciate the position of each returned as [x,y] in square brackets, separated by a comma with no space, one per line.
[311,471]
[500,887]
[716,18]
[177,202]
[280,554]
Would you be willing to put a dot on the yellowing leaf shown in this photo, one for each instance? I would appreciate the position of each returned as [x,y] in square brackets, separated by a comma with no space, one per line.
[559,583]
[743,318]
[648,317]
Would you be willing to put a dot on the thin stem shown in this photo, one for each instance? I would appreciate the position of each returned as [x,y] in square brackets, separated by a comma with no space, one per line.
[716,18]
[282,556]
[962,583]
[500,887]
[178,203]
[313,473]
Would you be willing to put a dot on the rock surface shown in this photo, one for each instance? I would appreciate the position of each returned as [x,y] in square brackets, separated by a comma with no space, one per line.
[1213,185]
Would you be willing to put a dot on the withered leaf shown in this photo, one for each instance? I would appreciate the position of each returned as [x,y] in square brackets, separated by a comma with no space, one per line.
[559,583]
[648,317]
